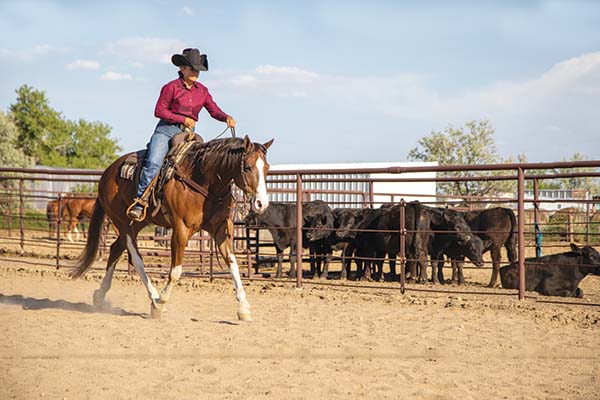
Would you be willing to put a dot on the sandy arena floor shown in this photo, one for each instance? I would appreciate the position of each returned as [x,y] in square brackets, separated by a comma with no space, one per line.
[327,341]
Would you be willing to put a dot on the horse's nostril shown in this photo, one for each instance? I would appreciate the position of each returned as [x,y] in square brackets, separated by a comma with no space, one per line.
[258,204]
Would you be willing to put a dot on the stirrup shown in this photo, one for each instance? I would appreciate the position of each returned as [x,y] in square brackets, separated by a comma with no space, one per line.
[143,204]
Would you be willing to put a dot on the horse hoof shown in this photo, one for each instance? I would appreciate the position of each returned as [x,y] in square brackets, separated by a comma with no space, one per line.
[156,310]
[164,297]
[245,316]
[98,300]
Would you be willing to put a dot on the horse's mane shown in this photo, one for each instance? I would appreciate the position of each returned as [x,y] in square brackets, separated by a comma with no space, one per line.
[218,154]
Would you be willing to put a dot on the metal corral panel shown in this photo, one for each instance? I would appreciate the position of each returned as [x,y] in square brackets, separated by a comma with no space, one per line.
[54,184]
[358,191]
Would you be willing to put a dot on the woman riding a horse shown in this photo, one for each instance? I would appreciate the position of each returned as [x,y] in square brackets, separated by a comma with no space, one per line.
[178,106]
[197,197]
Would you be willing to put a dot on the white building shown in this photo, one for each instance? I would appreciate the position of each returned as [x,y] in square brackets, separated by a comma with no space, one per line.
[557,199]
[354,193]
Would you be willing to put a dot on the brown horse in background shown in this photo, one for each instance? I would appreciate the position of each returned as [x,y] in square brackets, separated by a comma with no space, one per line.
[197,197]
[74,210]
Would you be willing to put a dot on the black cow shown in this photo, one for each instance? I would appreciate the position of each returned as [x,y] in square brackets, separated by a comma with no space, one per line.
[280,220]
[362,247]
[555,274]
[459,237]
[420,220]
[343,237]
[318,228]
[497,227]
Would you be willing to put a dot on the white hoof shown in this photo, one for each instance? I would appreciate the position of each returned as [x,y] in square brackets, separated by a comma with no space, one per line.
[245,316]
[164,296]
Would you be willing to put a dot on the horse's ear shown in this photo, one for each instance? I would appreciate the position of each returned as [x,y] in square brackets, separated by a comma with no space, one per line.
[268,144]
[247,144]
[574,248]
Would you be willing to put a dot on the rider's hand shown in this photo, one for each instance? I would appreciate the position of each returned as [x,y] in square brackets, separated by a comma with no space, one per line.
[230,122]
[190,123]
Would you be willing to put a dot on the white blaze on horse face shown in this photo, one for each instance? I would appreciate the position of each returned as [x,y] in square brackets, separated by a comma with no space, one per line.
[261,199]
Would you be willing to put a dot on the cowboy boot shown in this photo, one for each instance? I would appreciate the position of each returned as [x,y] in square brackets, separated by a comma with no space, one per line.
[137,210]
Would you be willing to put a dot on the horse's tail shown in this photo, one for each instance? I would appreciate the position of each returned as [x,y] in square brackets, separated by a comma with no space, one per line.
[93,240]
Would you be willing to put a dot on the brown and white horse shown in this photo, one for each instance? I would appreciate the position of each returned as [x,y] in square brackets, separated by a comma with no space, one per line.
[72,211]
[198,197]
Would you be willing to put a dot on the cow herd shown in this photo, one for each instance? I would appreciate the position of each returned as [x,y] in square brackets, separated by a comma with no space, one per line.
[366,237]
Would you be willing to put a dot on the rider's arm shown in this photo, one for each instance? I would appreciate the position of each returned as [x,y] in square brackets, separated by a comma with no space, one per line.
[213,109]
[162,110]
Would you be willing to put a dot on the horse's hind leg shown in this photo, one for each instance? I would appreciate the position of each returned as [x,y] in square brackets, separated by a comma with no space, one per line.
[116,249]
[136,259]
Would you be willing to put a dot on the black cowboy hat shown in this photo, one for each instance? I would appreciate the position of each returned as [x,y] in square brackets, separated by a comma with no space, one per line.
[191,58]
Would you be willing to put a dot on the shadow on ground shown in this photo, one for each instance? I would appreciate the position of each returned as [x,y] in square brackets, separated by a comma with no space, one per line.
[30,303]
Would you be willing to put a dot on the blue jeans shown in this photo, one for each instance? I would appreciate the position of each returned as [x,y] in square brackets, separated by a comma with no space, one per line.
[159,145]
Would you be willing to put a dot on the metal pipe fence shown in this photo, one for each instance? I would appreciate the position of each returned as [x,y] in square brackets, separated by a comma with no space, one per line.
[579,221]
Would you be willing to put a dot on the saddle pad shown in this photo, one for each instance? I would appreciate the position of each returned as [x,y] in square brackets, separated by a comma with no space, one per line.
[127,171]
[131,163]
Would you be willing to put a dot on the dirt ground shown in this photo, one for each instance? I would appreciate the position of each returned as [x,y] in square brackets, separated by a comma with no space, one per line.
[329,340]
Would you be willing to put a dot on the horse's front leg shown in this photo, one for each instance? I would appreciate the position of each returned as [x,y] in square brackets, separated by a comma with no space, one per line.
[224,241]
[179,238]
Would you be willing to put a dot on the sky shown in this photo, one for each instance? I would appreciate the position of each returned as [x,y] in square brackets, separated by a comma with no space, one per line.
[331,81]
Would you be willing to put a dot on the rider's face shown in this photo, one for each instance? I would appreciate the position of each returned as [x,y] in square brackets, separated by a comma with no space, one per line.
[189,73]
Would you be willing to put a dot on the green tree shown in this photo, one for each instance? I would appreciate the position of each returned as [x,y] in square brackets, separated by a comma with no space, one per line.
[590,184]
[55,141]
[92,145]
[35,119]
[468,145]
[10,154]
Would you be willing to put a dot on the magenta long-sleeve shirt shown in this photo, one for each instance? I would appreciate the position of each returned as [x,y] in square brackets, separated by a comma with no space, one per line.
[176,102]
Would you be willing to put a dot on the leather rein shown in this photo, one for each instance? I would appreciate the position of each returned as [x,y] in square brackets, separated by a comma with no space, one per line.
[179,175]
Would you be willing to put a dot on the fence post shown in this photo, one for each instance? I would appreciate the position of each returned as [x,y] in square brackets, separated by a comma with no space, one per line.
[248,256]
[536,222]
[587,224]
[298,231]
[402,245]
[22,215]
[569,227]
[521,211]
[202,247]
[211,258]
[10,212]
[58,222]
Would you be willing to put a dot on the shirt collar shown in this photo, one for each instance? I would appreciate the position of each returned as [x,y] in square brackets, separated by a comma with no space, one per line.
[182,82]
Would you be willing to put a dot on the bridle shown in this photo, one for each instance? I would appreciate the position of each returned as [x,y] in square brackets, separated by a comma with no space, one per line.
[244,166]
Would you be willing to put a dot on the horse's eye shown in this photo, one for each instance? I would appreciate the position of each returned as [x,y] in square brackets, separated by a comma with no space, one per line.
[247,168]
